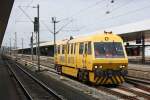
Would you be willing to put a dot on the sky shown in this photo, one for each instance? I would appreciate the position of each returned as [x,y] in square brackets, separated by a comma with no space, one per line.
[77,17]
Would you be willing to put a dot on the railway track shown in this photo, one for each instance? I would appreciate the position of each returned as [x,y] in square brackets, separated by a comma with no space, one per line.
[118,94]
[136,92]
[126,92]
[138,80]
[32,88]
[139,83]
[133,89]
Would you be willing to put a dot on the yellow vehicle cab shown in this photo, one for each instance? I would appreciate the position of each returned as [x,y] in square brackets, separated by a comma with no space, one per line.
[100,58]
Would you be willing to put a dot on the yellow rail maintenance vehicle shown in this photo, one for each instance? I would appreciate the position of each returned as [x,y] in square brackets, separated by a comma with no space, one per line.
[100,59]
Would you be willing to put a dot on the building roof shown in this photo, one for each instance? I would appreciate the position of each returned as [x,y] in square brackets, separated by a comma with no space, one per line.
[131,31]
[5,10]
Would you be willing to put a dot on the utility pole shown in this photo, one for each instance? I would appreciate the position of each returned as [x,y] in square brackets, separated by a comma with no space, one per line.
[38,16]
[10,47]
[15,45]
[22,46]
[37,31]
[6,49]
[32,46]
[54,23]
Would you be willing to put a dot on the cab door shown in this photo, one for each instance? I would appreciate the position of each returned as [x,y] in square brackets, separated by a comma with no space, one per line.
[87,56]
[80,55]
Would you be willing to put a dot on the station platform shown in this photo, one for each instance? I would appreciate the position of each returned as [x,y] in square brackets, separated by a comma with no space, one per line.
[141,67]
[8,90]
[138,59]
[139,70]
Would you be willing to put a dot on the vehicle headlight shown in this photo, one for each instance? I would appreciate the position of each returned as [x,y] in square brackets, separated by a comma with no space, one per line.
[100,66]
[122,66]
[95,66]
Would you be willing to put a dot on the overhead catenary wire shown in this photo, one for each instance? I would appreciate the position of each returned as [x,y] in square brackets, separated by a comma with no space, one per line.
[115,9]
[80,11]
[47,27]
[84,9]
[26,14]
[63,26]
[120,15]
[129,12]
[93,5]
[18,15]
[122,6]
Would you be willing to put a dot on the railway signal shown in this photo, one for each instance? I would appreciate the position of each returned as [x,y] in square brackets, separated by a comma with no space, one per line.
[36,24]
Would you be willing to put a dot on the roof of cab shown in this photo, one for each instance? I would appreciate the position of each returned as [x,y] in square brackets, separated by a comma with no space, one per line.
[97,37]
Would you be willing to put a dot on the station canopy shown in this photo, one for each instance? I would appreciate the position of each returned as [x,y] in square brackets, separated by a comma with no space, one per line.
[5,10]
[132,31]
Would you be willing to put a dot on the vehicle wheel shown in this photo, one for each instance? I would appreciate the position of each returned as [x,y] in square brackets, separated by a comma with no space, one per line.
[59,70]
[55,67]
[85,77]
[79,75]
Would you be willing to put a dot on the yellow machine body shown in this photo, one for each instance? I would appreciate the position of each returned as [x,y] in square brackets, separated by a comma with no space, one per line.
[78,57]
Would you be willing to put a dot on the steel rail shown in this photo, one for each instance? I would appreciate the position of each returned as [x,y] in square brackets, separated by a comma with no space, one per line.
[26,93]
[141,94]
[57,96]
[137,79]
[118,94]
[138,85]
[121,95]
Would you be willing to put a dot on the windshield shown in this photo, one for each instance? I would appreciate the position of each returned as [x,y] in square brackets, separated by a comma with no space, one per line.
[108,50]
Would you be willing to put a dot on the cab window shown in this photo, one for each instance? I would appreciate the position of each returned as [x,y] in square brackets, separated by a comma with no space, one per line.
[71,48]
[68,48]
[81,48]
[58,49]
[89,48]
[74,48]
[108,50]
[85,49]
[63,49]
